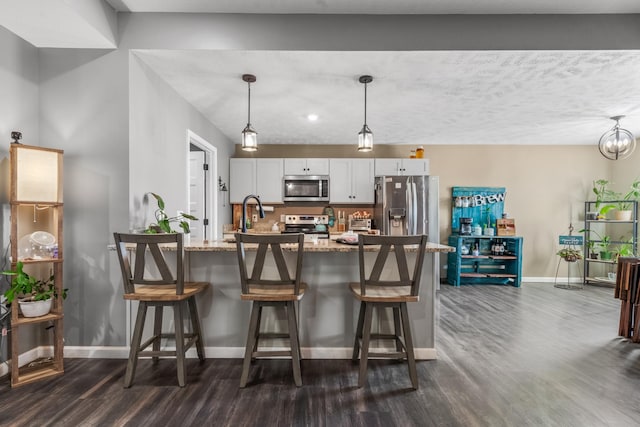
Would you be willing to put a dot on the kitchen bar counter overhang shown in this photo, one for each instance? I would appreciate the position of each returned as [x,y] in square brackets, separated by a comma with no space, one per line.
[327,313]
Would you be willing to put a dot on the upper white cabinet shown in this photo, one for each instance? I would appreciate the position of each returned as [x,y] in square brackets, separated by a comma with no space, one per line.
[262,177]
[351,181]
[401,167]
[306,166]
[269,179]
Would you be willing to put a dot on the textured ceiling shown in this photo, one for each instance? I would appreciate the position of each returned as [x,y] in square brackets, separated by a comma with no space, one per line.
[381,6]
[523,97]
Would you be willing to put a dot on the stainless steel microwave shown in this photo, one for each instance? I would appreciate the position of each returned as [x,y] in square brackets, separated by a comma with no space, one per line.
[306,188]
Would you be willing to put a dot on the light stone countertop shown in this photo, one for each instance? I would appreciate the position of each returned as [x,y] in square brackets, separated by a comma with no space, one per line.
[321,245]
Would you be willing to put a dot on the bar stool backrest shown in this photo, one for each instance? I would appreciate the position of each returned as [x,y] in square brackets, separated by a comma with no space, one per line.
[255,279]
[399,245]
[152,242]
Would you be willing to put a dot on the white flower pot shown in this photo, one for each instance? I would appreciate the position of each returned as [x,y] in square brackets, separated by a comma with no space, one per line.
[35,308]
[623,215]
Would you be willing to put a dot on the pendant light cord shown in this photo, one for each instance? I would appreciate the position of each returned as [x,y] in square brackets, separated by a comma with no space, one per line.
[249,105]
[365,104]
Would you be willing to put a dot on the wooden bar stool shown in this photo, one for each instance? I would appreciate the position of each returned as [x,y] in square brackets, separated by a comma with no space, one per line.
[374,292]
[282,292]
[170,290]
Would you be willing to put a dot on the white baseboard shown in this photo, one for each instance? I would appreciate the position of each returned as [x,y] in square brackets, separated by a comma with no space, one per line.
[120,352]
[551,279]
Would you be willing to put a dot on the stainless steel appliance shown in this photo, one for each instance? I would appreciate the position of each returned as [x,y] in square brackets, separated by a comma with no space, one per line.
[310,225]
[406,205]
[465,226]
[306,188]
[359,224]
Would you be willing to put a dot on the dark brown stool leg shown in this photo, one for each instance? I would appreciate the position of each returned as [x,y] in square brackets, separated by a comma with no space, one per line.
[254,327]
[356,343]
[408,341]
[135,344]
[179,325]
[295,345]
[197,329]
[366,337]
[157,330]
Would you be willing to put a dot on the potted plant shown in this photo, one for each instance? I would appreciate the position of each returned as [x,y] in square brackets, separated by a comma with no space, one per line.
[626,248]
[570,254]
[603,192]
[624,201]
[603,244]
[591,246]
[163,221]
[34,295]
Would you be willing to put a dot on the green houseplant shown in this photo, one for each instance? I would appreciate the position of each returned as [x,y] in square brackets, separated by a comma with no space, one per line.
[603,244]
[626,248]
[624,200]
[570,254]
[163,221]
[31,291]
[603,192]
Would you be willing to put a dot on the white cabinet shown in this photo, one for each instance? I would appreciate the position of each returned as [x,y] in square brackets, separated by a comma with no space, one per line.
[269,180]
[351,181]
[306,166]
[262,177]
[401,167]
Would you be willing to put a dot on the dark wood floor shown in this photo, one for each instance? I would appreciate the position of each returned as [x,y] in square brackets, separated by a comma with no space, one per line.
[534,356]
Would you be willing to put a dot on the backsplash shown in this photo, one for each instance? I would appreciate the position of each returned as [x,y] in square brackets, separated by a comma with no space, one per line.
[265,224]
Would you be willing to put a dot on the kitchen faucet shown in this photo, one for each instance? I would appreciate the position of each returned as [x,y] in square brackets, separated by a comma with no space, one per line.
[244,210]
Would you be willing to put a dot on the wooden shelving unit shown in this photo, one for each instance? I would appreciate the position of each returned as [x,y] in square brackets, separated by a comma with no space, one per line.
[484,268]
[36,205]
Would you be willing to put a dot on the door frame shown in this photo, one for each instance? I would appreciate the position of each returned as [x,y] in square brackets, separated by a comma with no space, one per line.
[211,158]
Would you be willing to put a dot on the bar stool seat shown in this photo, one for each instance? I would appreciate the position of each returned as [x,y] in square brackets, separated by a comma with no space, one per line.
[283,291]
[170,290]
[374,292]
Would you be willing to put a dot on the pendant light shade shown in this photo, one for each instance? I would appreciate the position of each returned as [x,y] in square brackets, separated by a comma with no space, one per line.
[617,143]
[249,135]
[365,136]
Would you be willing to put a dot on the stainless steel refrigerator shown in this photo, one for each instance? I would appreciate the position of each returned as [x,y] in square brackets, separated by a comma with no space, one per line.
[406,205]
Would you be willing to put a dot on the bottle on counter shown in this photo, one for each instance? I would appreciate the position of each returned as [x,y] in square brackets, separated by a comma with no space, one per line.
[412,154]
[420,152]
[476,250]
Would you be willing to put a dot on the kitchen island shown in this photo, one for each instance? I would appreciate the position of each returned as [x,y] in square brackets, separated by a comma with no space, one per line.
[327,314]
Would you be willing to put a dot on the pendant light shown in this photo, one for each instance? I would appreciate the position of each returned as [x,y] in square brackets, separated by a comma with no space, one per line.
[617,143]
[249,136]
[365,136]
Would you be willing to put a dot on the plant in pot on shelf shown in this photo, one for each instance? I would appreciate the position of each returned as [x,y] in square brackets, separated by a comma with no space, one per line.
[603,244]
[626,248]
[570,254]
[591,246]
[34,295]
[625,201]
[163,221]
[603,192]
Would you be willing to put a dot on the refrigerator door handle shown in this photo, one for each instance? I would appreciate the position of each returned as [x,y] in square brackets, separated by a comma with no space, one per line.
[409,212]
[414,207]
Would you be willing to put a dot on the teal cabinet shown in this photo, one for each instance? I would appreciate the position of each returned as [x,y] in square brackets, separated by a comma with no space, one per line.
[464,267]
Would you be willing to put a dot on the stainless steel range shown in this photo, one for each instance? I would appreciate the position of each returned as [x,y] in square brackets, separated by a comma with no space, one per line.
[311,225]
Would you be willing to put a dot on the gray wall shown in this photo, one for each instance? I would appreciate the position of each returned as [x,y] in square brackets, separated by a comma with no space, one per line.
[84,111]
[18,111]
[160,119]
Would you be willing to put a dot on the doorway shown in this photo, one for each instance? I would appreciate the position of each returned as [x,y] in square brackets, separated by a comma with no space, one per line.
[202,199]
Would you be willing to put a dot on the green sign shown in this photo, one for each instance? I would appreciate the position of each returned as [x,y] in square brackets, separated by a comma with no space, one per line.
[571,240]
